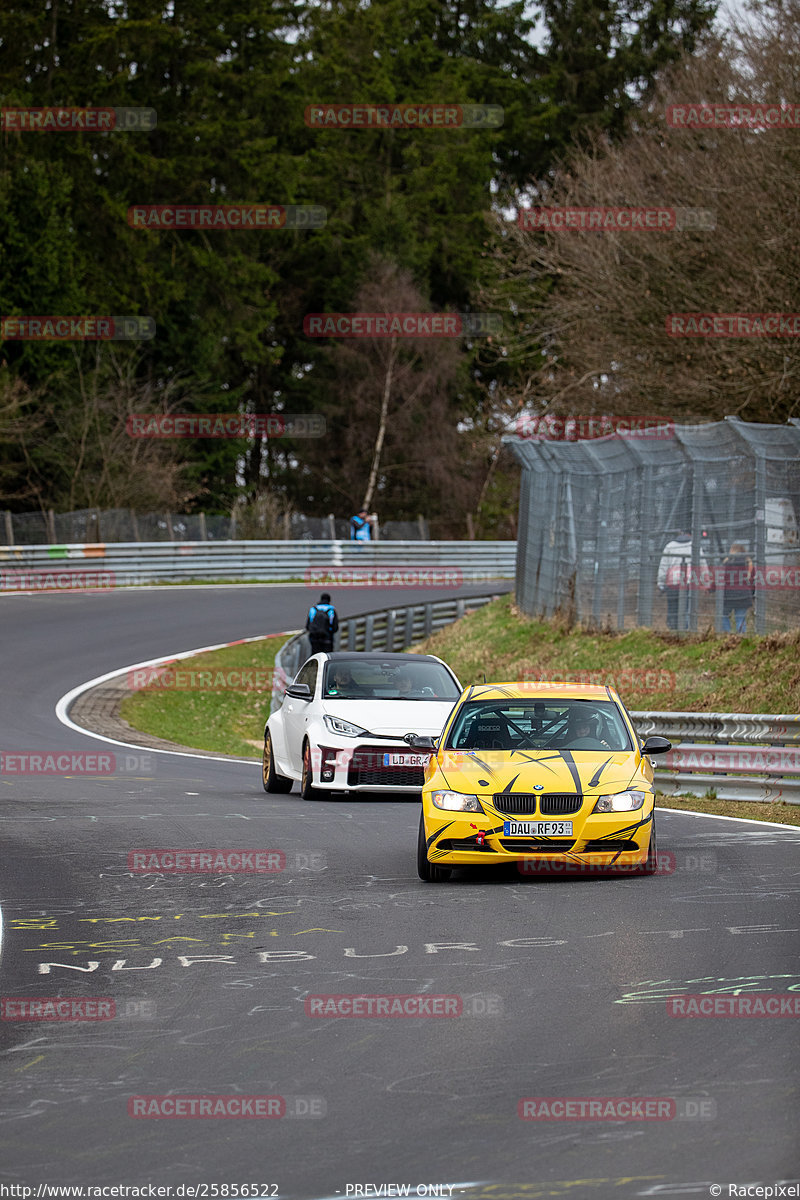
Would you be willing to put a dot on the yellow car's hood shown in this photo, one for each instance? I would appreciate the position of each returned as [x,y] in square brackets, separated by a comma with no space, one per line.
[484,772]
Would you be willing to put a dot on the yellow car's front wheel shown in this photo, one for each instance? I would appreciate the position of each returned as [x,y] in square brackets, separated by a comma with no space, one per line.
[428,871]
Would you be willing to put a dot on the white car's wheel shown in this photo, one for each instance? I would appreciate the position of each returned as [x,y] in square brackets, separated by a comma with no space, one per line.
[307,789]
[272,781]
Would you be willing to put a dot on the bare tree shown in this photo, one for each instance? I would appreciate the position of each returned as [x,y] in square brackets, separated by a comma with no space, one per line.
[393,411]
[598,341]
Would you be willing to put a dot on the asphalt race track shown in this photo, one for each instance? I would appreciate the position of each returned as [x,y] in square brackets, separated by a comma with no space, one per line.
[563,980]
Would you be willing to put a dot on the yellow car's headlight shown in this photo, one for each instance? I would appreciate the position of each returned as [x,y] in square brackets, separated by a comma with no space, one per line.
[456,801]
[620,802]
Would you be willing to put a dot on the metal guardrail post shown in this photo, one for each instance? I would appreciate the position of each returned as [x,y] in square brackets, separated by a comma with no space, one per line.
[9,529]
[369,625]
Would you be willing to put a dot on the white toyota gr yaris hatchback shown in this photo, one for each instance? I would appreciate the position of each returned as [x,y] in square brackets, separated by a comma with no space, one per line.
[345,719]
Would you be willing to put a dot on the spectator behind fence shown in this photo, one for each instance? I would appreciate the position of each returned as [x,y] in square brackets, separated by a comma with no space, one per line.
[739,592]
[360,527]
[675,575]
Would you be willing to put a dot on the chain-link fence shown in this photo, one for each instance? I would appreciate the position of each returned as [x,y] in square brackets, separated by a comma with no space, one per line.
[694,527]
[125,525]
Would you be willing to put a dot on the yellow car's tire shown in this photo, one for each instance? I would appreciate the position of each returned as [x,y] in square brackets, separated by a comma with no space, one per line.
[650,865]
[428,871]
[271,780]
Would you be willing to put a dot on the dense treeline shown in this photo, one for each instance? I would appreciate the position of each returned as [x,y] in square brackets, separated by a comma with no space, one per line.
[408,228]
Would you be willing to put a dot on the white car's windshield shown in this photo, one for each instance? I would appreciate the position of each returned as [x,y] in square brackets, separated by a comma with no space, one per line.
[539,725]
[371,679]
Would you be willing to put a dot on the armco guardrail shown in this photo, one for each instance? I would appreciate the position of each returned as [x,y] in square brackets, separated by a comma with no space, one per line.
[738,756]
[321,564]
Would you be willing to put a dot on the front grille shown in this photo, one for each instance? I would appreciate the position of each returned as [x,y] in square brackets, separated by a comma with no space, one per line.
[550,803]
[559,805]
[516,804]
[602,846]
[366,769]
[528,845]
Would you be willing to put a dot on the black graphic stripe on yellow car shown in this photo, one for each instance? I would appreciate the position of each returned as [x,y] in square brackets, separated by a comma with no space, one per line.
[437,834]
[593,782]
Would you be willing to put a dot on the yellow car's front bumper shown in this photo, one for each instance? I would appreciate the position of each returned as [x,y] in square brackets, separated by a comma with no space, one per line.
[598,840]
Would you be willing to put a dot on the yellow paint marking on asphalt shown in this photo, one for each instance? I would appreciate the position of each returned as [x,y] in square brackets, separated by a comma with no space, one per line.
[316,930]
[32,1063]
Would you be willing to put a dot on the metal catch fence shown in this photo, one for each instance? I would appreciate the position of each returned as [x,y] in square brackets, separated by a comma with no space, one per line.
[681,529]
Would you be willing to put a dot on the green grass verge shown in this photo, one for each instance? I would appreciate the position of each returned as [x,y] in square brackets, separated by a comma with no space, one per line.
[227,722]
[778,813]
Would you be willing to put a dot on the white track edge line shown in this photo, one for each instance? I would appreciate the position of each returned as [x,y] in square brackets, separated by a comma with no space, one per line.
[63,705]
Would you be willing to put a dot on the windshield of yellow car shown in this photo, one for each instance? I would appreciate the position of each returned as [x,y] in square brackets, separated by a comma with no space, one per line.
[539,725]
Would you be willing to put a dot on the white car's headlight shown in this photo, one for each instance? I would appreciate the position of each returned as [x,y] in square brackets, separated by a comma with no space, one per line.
[456,801]
[620,802]
[342,727]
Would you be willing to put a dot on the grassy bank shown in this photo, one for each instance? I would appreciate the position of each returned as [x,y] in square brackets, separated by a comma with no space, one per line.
[660,671]
[229,720]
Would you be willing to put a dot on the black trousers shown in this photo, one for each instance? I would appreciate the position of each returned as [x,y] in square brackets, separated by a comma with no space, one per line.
[319,644]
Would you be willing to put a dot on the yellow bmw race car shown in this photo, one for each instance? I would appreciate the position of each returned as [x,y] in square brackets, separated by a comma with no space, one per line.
[551,776]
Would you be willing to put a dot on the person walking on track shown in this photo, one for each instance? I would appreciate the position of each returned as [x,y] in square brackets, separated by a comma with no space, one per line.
[321,624]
